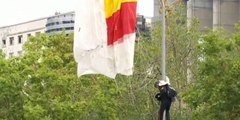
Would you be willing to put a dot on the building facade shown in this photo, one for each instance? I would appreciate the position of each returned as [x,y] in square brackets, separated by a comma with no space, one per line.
[14,36]
[214,14]
[156,11]
[141,23]
[60,22]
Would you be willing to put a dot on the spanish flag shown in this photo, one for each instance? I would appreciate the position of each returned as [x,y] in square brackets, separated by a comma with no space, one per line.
[104,37]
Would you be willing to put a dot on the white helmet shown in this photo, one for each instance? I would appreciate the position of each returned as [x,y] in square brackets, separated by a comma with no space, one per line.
[162,83]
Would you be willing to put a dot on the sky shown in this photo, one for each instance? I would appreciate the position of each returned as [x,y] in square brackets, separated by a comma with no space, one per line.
[17,11]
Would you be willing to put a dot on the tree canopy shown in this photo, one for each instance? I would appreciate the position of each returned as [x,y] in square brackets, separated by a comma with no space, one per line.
[203,67]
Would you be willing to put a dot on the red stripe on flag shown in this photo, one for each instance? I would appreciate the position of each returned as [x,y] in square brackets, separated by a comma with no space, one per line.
[121,22]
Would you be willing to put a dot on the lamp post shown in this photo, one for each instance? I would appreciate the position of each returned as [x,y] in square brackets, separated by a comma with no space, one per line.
[163,42]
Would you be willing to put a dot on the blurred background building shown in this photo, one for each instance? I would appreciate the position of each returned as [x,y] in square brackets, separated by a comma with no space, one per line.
[215,14]
[157,8]
[211,14]
[60,22]
[14,36]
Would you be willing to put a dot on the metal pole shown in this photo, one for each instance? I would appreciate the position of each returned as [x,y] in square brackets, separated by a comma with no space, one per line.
[163,42]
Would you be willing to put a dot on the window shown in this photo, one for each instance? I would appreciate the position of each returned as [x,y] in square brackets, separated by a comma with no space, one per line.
[11,40]
[20,39]
[29,35]
[69,28]
[50,24]
[19,53]
[4,43]
[66,22]
[11,54]
[58,29]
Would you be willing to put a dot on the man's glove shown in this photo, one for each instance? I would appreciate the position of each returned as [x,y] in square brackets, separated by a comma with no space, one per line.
[158,96]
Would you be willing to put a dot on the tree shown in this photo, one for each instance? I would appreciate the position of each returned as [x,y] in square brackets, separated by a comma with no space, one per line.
[46,86]
[181,47]
[215,94]
[43,84]
[10,86]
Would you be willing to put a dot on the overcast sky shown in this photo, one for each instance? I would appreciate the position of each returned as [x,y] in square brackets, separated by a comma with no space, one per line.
[17,11]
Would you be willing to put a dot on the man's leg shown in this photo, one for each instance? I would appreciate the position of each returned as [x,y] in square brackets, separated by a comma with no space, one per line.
[162,109]
[167,112]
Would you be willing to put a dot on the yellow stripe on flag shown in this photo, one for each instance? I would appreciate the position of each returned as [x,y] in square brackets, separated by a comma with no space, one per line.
[111,6]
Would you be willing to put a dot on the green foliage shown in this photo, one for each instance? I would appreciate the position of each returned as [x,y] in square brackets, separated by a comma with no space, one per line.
[215,94]
[42,84]
[181,54]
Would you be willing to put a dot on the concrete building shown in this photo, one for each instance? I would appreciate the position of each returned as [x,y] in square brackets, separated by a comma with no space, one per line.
[14,36]
[214,14]
[60,22]
[157,8]
[148,22]
[141,23]
[156,11]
